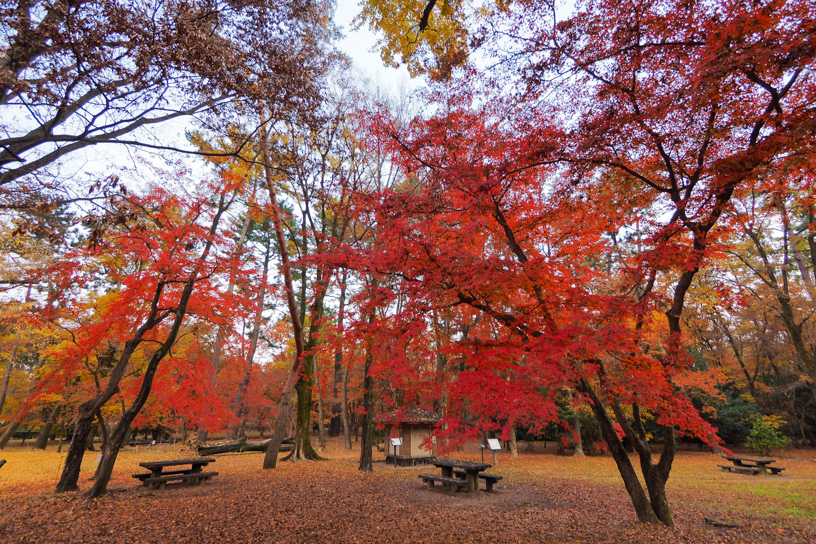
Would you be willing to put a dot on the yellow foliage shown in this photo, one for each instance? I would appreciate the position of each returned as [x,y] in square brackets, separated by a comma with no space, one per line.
[435,50]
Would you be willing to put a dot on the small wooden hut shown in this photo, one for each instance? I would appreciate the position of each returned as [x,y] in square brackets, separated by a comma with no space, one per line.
[411,425]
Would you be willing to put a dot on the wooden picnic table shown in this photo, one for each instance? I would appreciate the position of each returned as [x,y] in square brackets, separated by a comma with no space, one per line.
[158,477]
[471,470]
[752,465]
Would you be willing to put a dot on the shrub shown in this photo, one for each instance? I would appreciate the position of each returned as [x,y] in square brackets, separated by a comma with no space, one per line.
[765,435]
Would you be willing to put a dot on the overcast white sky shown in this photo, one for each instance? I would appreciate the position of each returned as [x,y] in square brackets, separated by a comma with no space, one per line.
[358,45]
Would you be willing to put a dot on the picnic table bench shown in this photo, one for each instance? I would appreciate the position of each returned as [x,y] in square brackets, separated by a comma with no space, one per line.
[158,477]
[454,483]
[458,475]
[750,465]
[489,479]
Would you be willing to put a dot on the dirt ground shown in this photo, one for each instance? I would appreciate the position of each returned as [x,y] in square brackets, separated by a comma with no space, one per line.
[542,498]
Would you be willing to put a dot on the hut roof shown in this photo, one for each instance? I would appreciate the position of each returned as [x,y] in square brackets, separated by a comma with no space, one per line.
[410,414]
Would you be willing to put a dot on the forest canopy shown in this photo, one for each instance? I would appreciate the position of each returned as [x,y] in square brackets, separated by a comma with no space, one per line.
[594,223]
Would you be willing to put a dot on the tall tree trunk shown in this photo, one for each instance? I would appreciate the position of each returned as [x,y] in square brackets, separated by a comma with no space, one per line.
[48,426]
[441,405]
[4,385]
[303,445]
[120,433]
[576,427]
[321,428]
[366,451]
[337,409]
[89,446]
[103,447]
[655,476]
[285,403]
[513,443]
[76,450]
[579,443]
[344,411]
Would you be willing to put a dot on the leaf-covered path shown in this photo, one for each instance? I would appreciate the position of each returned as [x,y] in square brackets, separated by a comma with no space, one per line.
[543,498]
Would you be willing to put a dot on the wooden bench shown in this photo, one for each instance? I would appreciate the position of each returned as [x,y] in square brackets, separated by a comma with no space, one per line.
[741,470]
[747,465]
[190,478]
[143,476]
[490,479]
[158,477]
[453,483]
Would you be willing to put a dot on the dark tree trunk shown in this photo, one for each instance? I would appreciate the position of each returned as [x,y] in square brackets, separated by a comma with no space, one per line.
[281,425]
[126,437]
[643,508]
[366,451]
[303,446]
[285,404]
[103,447]
[48,426]
[321,428]
[87,410]
[5,383]
[344,411]
[335,425]
[337,421]
[655,476]
[76,450]
[303,443]
[7,371]
[105,467]
[91,437]
[11,428]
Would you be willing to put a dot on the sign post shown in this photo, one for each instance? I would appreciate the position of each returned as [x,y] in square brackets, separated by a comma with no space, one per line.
[494,445]
[396,443]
